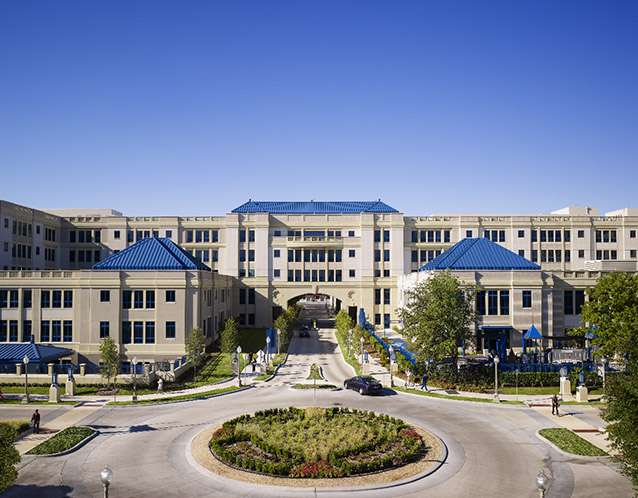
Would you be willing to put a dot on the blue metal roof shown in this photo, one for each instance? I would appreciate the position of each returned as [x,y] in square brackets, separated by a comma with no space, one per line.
[479,254]
[152,254]
[37,353]
[313,207]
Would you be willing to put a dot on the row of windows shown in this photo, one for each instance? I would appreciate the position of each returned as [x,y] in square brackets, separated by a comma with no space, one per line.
[377,296]
[606,235]
[20,228]
[85,236]
[84,256]
[426,255]
[251,319]
[49,234]
[50,331]
[431,235]
[377,255]
[549,235]
[242,296]
[386,235]
[550,255]
[386,320]
[498,302]
[139,332]
[311,233]
[204,236]
[137,235]
[314,255]
[205,255]
[242,235]
[573,301]
[49,254]
[317,275]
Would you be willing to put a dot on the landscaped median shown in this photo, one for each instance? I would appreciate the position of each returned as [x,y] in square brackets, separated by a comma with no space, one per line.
[63,441]
[455,397]
[167,399]
[572,443]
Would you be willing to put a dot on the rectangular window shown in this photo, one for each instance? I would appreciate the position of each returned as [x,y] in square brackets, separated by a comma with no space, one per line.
[251,296]
[386,320]
[251,319]
[568,256]
[170,330]
[170,296]
[27,298]
[56,331]
[68,331]
[557,236]
[377,235]
[613,236]
[297,275]
[71,256]
[306,275]
[127,299]
[386,236]
[492,303]
[3,298]
[377,318]
[568,302]
[251,255]
[139,299]
[13,298]
[377,255]
[543,236]
[386,273]
[579,300]
[521,253]
[632,234]
[126,332]
[68,299]
[386,255]
[480,302]
[45,299]
[550,236]
[242,236]
[138,332]
[446,236]
[351,253]
[377,296]
[534,236]
[3,330]
[415,236]
[505,302]
[415,256]
[430,235]
[527,299]
[598,236]
[501,235]
[276,273]
[581,253]
[242,255]
[291,275]
[468,234]
[352,273]
[242,296]
[56,301]
[350,233]
[45,331]
[386,296]
[150,332]
[104,329]
[581,234]
[150,299]
[632,253]
[251,236]
[26,330]
[276,253]
[521,234]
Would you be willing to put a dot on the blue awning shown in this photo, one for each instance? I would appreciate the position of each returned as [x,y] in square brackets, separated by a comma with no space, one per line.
[532,333]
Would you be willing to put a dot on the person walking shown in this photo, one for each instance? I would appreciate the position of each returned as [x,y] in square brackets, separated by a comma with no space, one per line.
[555,405]
[424,382]
[160,386]
[35,422]
[408,381]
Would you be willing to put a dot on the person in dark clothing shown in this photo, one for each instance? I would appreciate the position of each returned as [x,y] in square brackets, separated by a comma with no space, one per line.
[424,382]
[555,405]
[35,422]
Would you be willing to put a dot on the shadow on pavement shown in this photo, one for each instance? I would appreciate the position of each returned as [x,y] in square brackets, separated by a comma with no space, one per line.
[39,491]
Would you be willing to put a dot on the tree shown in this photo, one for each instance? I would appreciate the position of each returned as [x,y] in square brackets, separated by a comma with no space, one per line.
[343,324]
[9,456]
[613,309]
[439,318]
[109,359]
[229,339]
[194,345]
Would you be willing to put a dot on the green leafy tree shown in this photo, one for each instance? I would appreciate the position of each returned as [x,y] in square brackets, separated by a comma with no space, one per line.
[229,339]
[195,348]
[613,309]
[343,324]
[9,456]
[110,359]
[440,317]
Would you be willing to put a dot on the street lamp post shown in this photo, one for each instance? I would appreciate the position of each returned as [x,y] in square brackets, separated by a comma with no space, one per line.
[496,398]
[391,377]
[134,362]
[239,365]
[268,349]
[603,360]
[106,475]
[517,370]
[542,482]
[349,342]
[278,342]
[362,343]
[25,360]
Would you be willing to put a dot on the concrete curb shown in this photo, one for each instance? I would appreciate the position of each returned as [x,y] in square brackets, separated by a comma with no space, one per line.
[168,402]
[70,450]
[571,456]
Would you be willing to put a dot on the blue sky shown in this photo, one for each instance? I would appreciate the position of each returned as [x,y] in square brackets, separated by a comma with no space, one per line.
[193,107]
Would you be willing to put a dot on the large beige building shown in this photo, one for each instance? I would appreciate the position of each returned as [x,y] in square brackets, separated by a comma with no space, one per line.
[273,252]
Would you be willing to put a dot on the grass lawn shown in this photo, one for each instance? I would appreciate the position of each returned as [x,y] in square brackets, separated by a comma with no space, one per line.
[570,442]
[182,397]
[62,441]
[543,390]
[458,398]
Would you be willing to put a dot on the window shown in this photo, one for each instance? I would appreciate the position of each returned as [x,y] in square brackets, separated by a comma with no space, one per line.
[632,253]
[72,236]
[104,329]
[251,255]
[415,256]
[127,298]
[26,330]
[521,253]
[13,298]
[534,256]
[56,301]
[527,299]
[501,235]
[377,318]
[242,236]
[446,236]
[351,253]
[468,234]
[386,296]
[116,234]
[242,296]
[352,273]
[242,255]
[68,299]
[251,236]
[170,296]
[415,236]
[170,330]
[386,255]
[276,253]
[492,303]
[139,299]
[521,234]
[97,236]
[557,235]
[251,296]
[568,302]
[386,273]
[430,235]
[27,299]
[568,236]
[612,236]
[169,234]
[71,256]
[377,235]
[550,236]
[13,330]
[581,253]
[386,236]
[534,236]
[351,233]
[214,255]
[581,234]
[543,236]
[276,273]
[45,299]
[150,299]
[377,296]
[126,332]
[480,302]
[386,320]
[67,331]
[505,302]
[150,332]
[568,256]
[579,301]
[251,319]
[56,331]
[599,236]
[377,255]
[45,331]
[138,332]
[632,234]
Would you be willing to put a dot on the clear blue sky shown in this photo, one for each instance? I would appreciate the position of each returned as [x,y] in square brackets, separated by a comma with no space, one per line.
[193,107]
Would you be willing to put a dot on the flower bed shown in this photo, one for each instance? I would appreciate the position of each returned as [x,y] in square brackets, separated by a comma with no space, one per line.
[316,442]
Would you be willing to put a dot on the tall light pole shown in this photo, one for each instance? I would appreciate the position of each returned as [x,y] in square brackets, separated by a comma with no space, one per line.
[268,349]
[239,365]
[25,360]
[362,343]
[542,482]
[106,475]
[496,398]
[278,343]
[603,360]
[134,362]
[391,377]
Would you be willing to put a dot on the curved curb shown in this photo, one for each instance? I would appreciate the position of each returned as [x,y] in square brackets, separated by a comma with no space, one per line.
[168,402]
[274,374]
[70,450]
[451,398]
[573,458]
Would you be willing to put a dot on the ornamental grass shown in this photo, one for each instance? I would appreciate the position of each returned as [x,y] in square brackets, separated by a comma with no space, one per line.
[316,442]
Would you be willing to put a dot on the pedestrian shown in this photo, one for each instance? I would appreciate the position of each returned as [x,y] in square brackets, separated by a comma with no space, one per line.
[253,363]
[35,422]
[250,357]
[160,385]
[408,382]
[555,405]
[424,382]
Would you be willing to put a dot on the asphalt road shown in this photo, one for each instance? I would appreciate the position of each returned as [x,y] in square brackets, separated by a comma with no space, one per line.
[492,449]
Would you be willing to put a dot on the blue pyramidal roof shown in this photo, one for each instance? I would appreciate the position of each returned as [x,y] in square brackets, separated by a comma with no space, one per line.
[313,207]
[152,254]
[37,353]
[479,254]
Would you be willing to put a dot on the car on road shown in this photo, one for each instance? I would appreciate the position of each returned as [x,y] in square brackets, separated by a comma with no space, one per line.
[304,332]
[363,384]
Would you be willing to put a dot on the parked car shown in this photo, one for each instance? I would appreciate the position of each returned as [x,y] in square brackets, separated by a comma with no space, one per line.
[365,385]
[304,332]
